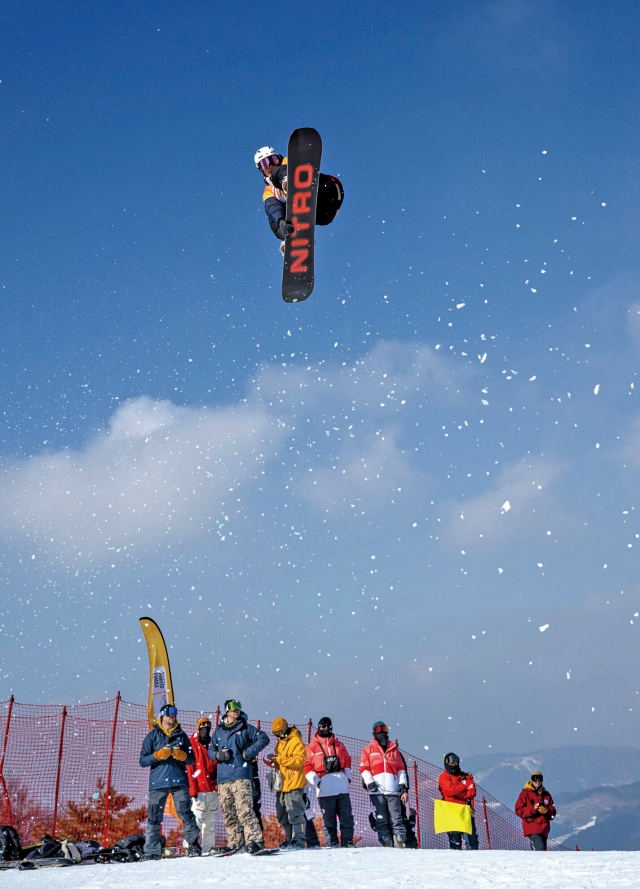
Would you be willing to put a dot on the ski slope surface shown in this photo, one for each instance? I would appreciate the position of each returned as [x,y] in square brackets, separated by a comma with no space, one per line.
[368,868]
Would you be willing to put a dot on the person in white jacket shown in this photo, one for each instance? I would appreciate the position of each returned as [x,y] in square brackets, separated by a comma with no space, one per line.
[328,769]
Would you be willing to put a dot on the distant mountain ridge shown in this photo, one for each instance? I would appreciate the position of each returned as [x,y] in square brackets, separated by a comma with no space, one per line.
[603,818]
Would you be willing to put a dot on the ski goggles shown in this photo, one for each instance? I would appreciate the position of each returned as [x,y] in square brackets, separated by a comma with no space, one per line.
[380,727]
[537,779]
[266,162]
[169,710]
[234,705]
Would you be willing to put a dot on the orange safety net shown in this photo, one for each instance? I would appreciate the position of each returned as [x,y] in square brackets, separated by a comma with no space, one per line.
[73,772]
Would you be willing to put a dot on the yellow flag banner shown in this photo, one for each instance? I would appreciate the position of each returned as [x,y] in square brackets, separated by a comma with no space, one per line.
[160,684]
[451,816]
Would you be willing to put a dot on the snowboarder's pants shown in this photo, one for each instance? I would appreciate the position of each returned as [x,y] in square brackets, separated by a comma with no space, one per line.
[538,842]
[290,814]
[389,820]
[310,832]
[205,808]
[455,837]
[334,808]
[155,813]
[236,803]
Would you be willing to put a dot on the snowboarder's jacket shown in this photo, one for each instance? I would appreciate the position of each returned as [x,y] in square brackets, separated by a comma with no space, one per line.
[319,752]
[245,742]
[291,754]
[385,766]
[457,788]
[166,772]
[274,197]
[533,821]
[202,774]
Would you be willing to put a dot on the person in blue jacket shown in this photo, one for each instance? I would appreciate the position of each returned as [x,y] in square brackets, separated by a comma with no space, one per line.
[234,744]
[167,752]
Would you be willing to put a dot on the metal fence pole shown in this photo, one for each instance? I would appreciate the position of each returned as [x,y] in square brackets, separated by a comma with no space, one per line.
[60,748]
[107,796]
[486,822]
[4,752]
[417,794]
[309,727]
[217,716]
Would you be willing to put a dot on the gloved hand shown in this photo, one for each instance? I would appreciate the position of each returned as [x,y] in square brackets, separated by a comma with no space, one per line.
[245,757]
[224,755]
[371,786]
[284,185]
[402,789]
[542,810]
[163,753]
[179,754]
[284,228]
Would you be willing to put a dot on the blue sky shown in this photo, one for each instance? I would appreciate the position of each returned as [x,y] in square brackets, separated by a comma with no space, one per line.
[367,505]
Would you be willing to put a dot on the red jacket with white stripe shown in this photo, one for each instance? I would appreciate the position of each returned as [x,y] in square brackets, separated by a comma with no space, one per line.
[384,766]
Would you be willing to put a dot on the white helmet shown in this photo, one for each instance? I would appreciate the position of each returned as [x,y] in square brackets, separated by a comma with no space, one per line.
[266,154]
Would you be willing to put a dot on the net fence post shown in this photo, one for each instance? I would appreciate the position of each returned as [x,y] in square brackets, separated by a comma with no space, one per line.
[107,796]
[57,793]
[4,752]
[217,716]
[417,795]
[486,822]
[309,726]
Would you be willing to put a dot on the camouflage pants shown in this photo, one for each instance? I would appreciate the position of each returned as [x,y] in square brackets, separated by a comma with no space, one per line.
[236,803]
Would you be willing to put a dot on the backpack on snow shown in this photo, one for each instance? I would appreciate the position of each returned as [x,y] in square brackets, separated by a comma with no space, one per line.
[87,848]
[10,847]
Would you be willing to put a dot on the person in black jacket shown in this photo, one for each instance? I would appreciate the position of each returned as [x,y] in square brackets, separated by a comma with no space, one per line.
[167,752]
[234,744]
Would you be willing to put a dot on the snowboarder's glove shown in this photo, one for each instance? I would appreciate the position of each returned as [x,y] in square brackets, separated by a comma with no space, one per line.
[371,786]
[402,789]
[284,228]
[163,753]
[224,755]
[542,810]
[179,754]
[284,185]
[245,757]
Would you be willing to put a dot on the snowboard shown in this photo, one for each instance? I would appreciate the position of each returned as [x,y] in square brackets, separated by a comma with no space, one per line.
[36,863]
[303,173]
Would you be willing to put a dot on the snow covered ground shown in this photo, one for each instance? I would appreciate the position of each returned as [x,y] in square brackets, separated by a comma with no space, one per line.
[353,869]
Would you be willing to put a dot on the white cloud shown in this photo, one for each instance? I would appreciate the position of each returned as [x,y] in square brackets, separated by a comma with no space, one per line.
[157,470]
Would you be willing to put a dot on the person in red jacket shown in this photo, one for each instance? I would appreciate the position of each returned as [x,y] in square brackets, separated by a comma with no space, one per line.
[384,775]
[328,768]
[457,786]
[535,807]
[202,784]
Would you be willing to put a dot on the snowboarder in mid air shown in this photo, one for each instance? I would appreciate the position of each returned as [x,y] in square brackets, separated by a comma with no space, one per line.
[273,167]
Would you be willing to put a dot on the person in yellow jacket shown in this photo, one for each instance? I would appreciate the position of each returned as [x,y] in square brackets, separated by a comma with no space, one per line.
[288,759]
